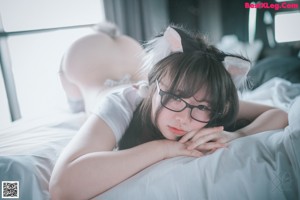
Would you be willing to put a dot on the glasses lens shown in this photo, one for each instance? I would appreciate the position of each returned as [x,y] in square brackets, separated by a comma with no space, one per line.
[176,104]
[172,102]
[201,115]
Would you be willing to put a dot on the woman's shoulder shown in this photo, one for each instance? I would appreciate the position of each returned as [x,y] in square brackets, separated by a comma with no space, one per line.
[126,95]
[116,108]
[122,99]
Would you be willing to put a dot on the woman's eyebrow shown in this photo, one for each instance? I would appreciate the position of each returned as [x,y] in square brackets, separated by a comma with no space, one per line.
[202,100]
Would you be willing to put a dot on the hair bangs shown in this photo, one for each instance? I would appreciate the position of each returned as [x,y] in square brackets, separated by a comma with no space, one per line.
[196,69]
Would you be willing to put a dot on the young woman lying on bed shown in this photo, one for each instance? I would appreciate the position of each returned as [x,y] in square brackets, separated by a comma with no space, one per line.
[185,109]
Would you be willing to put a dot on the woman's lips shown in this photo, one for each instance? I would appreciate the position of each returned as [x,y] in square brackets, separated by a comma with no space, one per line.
[176,131]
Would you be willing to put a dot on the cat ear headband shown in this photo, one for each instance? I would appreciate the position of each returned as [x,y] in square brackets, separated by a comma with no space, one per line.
[176,40]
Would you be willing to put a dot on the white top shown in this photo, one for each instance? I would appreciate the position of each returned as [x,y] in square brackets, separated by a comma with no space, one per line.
[117,107]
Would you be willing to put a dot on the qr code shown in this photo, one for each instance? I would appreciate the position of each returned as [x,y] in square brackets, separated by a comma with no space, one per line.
[10,189]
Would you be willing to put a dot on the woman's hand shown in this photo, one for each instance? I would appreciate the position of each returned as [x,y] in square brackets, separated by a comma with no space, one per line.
[172,149]
[208,139]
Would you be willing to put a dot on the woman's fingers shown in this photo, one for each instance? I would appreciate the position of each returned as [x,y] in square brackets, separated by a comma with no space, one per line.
[187,136]
[199,140]
[204,140]
[174,148]
[193,153]
[210,146]
[194,135]
[207,134]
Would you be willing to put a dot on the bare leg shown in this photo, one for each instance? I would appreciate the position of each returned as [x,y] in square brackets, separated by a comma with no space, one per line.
[73,94]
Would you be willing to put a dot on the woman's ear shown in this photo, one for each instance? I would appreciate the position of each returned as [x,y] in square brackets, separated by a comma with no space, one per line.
[173,39]
[238,69]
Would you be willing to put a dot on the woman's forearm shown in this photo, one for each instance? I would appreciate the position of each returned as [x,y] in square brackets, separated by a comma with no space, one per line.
[269,120]
[98,171]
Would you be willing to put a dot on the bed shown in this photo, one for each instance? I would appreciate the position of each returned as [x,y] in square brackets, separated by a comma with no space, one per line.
[263,166]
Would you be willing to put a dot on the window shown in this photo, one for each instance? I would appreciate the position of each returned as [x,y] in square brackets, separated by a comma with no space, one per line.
[287,27]
[5,115]
[40,14]
[37,33]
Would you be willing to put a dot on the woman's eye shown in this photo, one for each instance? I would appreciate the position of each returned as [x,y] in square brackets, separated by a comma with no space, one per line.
[203,107]
[174,98]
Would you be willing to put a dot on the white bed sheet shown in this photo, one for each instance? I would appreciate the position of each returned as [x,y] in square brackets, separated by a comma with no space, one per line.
[29,149]
[262,166]
[276,92]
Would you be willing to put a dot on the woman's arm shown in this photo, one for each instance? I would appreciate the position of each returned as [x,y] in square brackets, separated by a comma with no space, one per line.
[261,118]
[88,162]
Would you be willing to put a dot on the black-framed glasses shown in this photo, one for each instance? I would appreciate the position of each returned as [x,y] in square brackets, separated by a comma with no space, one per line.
[200,113]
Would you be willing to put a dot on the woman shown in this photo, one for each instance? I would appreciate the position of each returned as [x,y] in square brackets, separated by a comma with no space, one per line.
[188,103]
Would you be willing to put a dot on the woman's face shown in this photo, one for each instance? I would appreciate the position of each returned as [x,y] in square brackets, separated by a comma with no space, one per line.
[176,124]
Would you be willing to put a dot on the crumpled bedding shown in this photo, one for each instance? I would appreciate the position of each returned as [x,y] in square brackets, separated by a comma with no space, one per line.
[29,149]
[263,166]
[276,92]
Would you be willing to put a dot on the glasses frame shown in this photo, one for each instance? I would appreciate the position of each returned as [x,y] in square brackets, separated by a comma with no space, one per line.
[187,105]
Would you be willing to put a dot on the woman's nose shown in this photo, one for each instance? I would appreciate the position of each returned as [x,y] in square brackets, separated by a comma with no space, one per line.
[183,116]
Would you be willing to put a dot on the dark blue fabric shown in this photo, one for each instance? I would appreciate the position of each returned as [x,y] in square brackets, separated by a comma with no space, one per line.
[277,66]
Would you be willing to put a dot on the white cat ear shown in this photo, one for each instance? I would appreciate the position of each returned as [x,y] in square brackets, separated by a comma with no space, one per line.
[173,39]
[238,69]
